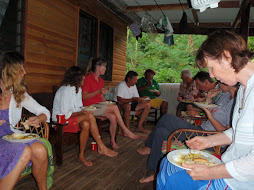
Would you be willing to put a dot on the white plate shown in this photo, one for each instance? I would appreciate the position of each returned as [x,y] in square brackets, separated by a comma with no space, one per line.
[210,106]
[153,90]
[174,155]
[147,99]
[106,103]
[87,108]
[14,140]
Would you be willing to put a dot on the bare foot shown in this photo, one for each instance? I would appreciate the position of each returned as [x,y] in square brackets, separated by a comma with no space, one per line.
[142,130]
[115,146]
[147,179]
[84,161]
[107,152]
[131,135]
[144,150]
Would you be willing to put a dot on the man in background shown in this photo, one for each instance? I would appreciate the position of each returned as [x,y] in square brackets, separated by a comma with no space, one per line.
[127,97]
[147,86]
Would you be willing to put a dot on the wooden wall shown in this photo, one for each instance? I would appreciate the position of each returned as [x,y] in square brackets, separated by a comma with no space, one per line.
[51,40]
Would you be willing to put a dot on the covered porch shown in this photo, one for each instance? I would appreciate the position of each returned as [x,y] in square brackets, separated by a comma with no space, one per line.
[51,46]
[121,172]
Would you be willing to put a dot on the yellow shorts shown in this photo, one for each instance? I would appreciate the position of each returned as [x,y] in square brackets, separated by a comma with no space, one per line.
[156,102]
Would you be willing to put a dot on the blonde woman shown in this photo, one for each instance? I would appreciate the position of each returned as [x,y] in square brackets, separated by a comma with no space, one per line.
[16,156]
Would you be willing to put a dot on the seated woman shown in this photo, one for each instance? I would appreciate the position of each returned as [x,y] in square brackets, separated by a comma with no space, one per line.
[16,156]
[93,93]
[227,58]
[68,101]
[218,119]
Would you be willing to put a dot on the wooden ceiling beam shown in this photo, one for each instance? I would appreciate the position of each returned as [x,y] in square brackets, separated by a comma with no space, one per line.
[209,25]
[206,25]
[156,7]
[205,31]
[222,4]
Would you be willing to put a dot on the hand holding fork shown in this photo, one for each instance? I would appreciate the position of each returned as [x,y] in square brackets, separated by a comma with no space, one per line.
[2,121]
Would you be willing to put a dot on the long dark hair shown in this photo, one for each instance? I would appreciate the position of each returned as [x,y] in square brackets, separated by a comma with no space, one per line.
[73,77]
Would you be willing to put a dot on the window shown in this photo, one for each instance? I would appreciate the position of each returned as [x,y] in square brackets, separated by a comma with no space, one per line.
[106,48]
[11,25]
[87,42]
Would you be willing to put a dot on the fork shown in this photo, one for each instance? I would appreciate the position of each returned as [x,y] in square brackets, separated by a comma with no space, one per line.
[13,126]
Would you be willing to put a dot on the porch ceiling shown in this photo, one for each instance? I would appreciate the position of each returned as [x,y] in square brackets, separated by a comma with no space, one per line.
[226,16]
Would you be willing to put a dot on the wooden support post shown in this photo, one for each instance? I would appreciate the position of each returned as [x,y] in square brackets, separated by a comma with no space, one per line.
[241,10]
[244,27]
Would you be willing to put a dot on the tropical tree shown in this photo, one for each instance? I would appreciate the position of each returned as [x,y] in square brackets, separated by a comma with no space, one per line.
[150,51]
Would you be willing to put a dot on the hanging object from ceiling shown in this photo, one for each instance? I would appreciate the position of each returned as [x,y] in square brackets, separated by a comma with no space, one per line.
[146,23]
[148,26]
[183,25]
[202,5]
[135,29]
[165,25]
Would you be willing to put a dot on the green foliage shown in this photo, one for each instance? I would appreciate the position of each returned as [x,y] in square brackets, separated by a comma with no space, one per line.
[167,61]
[251,43]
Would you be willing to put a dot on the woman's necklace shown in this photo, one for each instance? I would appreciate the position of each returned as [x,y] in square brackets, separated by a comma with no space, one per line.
[241,102]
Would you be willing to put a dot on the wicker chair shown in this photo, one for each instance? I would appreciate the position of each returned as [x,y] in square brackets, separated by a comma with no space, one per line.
[193,120]
[189,133]
[42,131]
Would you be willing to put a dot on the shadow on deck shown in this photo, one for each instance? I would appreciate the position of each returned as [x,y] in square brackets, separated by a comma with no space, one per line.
[119,173]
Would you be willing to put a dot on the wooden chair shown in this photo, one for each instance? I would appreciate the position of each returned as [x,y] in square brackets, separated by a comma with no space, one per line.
[174,142]
[57,136]
[102,122]
[154,113]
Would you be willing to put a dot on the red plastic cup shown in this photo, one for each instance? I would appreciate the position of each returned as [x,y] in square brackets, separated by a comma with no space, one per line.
[93,146]
[60,118]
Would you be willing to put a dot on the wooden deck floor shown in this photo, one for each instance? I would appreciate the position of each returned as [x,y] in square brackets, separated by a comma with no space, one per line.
[119,173]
